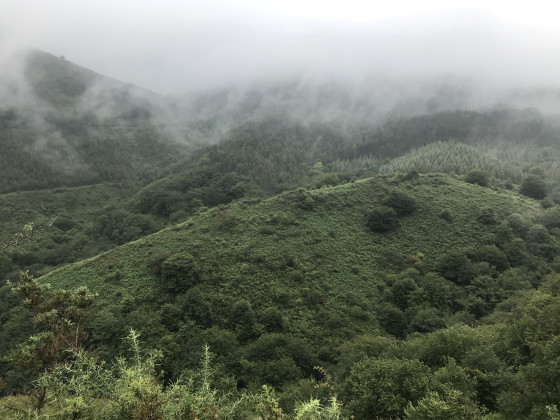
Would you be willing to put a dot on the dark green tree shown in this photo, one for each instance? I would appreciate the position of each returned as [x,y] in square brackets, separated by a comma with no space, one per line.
[477,177]
[456,267]
[243,318]
[382,219]
[402,202]
[533,186]
[383,388]
[392,320]
[180,272]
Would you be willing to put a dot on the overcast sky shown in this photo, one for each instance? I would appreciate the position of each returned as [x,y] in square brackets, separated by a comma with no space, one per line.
[174,46]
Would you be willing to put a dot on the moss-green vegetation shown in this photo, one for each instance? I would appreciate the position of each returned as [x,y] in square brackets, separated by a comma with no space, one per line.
[296,276]
[453,157]
[428,290]
[85,221]
[267,233]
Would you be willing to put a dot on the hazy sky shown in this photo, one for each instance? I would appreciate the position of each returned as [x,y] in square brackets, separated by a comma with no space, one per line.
[172,46]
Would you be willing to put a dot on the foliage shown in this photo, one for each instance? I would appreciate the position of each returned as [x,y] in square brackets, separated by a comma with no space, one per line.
[487,216]
[82,387]
[453,314]
[180,272]
[382,219]
[443,407]
[477,177]
[382,388]
[273,305]
[456,158]
[533,186]
[402,202]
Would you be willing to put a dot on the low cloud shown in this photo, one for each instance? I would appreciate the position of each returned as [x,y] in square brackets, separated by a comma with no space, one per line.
[173,46]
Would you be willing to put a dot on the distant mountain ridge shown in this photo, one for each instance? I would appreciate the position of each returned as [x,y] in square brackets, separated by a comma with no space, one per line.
[71,126]
[65,125]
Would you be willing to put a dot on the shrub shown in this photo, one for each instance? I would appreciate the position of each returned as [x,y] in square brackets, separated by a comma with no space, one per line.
[195,306]
[427,320]
[519,225]
[303,199]
[487,216]
[402,202]
[547,203]
[277,346]
[492,255]
[278,372]
[477,177]
[243,318]
[382,388]
[272,319]
[180,272]
[392,320]
[400,292]
[534,187]
[438,290]
[156,261]
[551,218]
[171,316]
[446,215]
[382,219]
[226,219]
[456,267]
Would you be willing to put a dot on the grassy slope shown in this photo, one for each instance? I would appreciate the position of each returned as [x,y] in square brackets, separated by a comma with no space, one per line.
[280,254]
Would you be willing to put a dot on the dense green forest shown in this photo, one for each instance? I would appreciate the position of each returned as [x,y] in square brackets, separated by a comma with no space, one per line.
[286,268]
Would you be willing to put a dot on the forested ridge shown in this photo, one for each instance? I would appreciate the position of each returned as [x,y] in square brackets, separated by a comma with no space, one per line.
[286,268]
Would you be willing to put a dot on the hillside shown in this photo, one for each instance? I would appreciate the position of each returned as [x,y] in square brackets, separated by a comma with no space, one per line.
[63,125]
[279,285]
[307,253]
[402,255]
[82,222]
[333,223]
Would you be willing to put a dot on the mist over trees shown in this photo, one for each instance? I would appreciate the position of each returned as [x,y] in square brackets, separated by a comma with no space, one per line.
[279,213]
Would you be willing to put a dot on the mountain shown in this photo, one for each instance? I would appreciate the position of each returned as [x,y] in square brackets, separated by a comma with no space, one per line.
[327,276]
[308,254]
[63,125]
[402,255]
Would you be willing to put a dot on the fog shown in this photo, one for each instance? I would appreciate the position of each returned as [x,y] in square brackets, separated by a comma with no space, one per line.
[175,47]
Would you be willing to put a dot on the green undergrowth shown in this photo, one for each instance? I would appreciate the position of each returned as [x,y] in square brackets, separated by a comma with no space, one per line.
[288,290]
[81,221]
[83,202]
[307,252]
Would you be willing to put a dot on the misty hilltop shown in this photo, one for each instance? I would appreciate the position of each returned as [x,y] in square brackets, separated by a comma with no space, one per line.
[62,124]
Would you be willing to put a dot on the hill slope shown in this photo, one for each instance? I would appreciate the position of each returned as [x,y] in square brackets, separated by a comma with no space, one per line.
[307,253]
[87,220]
[336,216]
[63,125]
[278,286]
